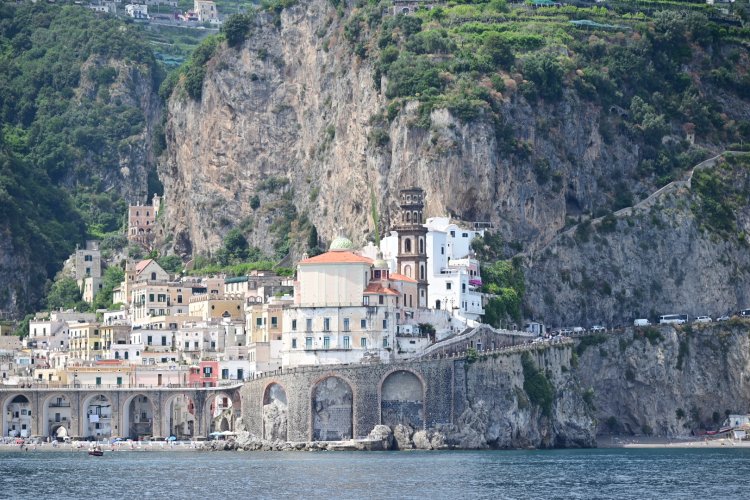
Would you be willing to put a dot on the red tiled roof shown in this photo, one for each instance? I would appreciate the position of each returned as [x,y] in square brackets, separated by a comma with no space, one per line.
[337,258]
[378,289]
[401,277]
[142,265]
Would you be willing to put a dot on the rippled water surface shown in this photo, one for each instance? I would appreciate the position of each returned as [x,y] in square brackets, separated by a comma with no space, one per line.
[585,474]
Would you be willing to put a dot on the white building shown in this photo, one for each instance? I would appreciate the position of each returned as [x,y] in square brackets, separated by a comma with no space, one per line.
[137,11]
[453,275]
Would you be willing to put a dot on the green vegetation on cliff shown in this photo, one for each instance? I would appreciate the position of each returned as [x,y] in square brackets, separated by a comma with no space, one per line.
[71,111]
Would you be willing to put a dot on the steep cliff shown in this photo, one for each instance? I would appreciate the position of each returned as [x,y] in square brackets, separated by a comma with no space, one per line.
[522,400]
[79,107]
[294,104]
[683,250]
[321,106]
[667,381]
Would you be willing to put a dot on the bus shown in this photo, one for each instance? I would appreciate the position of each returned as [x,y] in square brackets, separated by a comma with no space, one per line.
[673,319]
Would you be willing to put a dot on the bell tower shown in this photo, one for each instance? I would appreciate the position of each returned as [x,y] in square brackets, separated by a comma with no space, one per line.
[412,241]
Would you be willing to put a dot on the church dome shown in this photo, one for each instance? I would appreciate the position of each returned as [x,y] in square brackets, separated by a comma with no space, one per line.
[341,244]
[380,263]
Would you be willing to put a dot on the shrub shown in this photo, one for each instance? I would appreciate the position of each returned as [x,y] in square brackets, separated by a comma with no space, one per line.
[537,386]
[236,28]
[546,72]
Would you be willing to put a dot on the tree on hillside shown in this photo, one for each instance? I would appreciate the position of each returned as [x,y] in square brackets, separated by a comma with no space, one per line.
[64,294]
[113,276]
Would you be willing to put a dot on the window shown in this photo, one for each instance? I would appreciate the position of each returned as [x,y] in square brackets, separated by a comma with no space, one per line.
[88,258]
[163,340]
[346,342]
[380,299]
[346,324]
[308,342]
[240,374]
[294,325]
[363,324]
[463,287]
[453,234]
[326,342]
[407,245]
[98,381]
[88,271]
[274,321]
[187,344]
[385,324]
[207,370]
[150,297]
[308,324]
[294,343]
[119,380]
[385,342]
[363,342]
[366,300]
[448,285]
[225,373]
[326,324]
[258,322]
[149,340]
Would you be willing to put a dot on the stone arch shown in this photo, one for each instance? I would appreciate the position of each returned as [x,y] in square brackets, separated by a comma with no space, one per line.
[97,416]
[407,271]
[18,410]
[407,245]
[402,397]
[275,412]
[221,412]
[332,415]
[57,416]
[138,416]
[179,417]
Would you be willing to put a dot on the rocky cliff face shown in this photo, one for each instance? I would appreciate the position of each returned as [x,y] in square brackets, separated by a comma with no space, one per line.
[667,381]
[291,132]
[500,410]
[295,105]
[669,254]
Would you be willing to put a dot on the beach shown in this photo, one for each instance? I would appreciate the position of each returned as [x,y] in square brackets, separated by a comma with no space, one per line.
[656,442]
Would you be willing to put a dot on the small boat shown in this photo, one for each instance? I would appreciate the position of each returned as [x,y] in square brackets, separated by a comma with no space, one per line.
[96,452]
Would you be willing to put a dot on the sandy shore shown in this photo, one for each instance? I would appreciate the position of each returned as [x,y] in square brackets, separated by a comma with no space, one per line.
[645,442]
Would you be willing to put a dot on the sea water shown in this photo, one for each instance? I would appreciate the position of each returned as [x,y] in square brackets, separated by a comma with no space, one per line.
[584,474]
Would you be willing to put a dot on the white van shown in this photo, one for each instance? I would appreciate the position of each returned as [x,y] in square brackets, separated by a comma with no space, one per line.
[641,322]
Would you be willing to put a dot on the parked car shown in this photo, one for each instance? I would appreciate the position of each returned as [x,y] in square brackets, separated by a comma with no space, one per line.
[703,319]
[578,329]
[598,329]
[641,322]
[723,318]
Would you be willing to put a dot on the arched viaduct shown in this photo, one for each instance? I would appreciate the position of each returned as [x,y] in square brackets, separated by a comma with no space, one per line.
[122,412]
[347,401]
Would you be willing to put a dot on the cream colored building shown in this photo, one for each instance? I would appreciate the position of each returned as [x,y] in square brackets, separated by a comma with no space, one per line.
[215,307]
[341,312]
[206,10]
[85,341]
